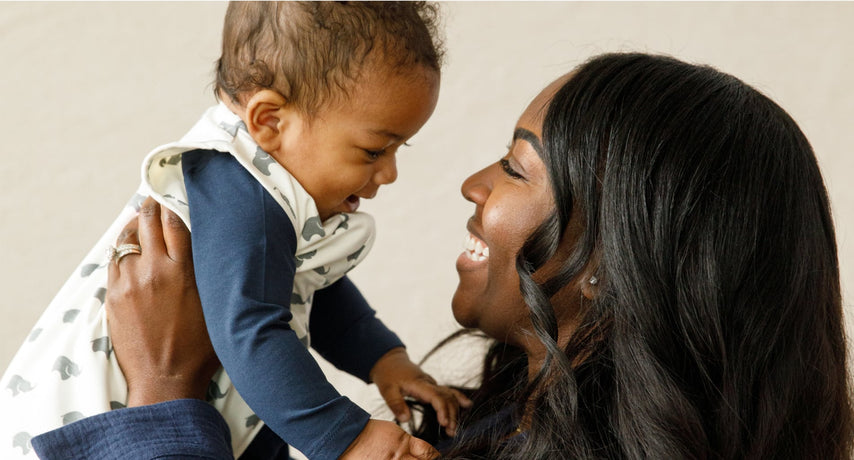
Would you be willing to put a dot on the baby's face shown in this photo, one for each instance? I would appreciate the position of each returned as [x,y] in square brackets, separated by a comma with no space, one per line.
[346,151]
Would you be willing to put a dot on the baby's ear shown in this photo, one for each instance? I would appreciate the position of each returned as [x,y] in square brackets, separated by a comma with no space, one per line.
[266,118]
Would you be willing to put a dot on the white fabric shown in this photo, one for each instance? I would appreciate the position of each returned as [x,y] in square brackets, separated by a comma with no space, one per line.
[66,370]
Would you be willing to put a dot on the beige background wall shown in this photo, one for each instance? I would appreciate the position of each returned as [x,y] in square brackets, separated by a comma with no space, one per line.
[87,89]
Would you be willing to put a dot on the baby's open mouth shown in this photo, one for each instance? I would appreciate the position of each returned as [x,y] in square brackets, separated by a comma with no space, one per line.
[352,203]
[476,249]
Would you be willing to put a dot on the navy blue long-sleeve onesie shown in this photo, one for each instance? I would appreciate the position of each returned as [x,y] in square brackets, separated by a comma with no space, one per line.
[243,252]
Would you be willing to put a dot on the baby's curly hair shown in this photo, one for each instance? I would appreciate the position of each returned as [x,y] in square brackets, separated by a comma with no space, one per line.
[310,52]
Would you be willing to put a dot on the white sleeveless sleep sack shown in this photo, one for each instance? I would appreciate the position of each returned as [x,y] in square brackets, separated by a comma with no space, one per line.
[66,370]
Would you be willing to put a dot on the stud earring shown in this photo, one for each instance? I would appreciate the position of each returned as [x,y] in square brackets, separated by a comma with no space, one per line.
[593,280]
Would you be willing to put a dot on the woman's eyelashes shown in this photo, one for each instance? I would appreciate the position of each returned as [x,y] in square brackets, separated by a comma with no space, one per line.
[508,169]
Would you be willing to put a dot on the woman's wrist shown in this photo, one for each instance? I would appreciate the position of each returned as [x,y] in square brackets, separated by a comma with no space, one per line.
[164,388]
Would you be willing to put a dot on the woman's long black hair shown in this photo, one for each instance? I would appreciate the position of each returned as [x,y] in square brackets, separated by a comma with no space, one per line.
[716,330]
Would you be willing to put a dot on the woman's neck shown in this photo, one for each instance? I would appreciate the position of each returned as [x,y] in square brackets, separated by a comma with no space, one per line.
[535,364]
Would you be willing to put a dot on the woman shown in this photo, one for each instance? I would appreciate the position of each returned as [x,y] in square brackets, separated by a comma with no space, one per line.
[654,258]
[683,288]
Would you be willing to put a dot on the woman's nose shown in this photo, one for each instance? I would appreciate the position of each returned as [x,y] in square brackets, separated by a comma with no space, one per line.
[386,172]
[478,186]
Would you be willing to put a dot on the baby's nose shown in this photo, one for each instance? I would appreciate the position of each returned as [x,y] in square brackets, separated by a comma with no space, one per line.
[386,172]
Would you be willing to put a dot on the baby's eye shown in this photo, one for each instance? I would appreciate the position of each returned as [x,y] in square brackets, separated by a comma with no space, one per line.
[505,165]
[374,154]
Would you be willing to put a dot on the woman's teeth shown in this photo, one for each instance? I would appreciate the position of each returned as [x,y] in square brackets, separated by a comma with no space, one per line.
[476,249]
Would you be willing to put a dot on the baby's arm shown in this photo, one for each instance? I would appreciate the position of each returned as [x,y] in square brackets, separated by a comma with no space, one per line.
[243,251]
[346,331]
[155,310]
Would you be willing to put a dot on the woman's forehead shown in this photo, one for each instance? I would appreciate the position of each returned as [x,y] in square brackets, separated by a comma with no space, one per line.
[533,116]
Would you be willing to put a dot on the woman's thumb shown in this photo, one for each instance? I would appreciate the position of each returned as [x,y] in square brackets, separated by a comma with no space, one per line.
[421,449]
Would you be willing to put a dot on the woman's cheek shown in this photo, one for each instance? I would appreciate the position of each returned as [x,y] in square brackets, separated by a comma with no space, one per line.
[510,227]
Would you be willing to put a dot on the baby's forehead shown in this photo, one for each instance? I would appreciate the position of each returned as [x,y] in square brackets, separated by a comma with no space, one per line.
[388,106]
[373,77]
[377,77]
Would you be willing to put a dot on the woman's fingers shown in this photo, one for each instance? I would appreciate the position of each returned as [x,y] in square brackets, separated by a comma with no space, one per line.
[176,236]
[161,231]
[128,235]
[150,228]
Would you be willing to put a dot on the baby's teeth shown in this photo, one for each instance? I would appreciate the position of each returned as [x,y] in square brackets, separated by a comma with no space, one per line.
[485,252]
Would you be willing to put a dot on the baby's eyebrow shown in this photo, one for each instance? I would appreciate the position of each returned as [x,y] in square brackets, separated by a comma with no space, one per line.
[531,138]
[386,133]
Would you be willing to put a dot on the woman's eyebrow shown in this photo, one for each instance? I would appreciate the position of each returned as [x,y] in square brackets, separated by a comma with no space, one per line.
[531,138]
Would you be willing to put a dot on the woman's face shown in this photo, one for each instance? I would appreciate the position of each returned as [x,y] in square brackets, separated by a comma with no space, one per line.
[512,198]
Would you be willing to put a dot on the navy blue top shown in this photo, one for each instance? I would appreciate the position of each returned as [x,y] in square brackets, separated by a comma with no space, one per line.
[183,429]
[243,251]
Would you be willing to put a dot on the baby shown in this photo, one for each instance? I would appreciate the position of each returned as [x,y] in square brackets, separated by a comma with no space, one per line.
[315,100]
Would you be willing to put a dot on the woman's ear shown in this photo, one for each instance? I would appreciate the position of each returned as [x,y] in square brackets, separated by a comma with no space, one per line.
[590,286]
[266,118]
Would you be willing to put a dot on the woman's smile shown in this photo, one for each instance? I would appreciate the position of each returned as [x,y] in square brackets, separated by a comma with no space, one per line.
[475,253]
[476,249]
[512,197]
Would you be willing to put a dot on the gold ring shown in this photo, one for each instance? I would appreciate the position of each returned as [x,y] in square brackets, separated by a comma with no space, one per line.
[127,249]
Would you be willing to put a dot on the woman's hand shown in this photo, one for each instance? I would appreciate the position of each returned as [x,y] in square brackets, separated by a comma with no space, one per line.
[154,312]
[381,440]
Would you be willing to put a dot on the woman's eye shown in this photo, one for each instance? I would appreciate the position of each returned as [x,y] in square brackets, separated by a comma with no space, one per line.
[505,165]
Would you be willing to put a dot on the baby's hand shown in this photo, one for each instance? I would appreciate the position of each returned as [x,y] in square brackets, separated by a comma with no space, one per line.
[381,440]
[396,377]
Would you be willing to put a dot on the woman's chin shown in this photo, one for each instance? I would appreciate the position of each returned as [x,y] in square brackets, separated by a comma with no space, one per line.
[472,271]
[468,262]
[460,307]
[464,305]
